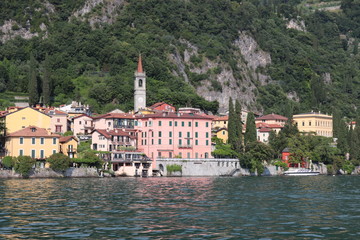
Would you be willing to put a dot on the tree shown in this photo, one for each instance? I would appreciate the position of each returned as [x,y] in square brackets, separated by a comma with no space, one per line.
[59,162]
[33,86]
[224,151]
[23,165]
[46,81]
[239,127]
[255,154]
[231,125]
[8,162]
[250,132]
[299,149]
[355,142]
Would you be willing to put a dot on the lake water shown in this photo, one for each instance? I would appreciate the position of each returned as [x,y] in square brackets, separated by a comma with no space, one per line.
[320,207]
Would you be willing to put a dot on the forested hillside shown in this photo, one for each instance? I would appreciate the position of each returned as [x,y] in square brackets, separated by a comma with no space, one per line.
[272,55]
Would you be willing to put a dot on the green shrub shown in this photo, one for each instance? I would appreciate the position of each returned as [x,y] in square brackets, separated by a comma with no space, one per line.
[173,168]
[348,167]
[281,164]
[23,165]
[90,159]
[59,162]
[8,162]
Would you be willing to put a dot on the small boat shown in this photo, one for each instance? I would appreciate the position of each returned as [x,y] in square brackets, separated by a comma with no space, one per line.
[300,172]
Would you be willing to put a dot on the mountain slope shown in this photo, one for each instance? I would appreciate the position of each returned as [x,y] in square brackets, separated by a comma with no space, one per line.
[272,56]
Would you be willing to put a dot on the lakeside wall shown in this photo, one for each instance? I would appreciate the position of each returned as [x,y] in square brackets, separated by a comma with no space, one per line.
[49,173]
[218,167]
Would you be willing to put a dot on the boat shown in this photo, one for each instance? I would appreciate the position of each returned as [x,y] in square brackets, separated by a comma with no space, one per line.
[300,172]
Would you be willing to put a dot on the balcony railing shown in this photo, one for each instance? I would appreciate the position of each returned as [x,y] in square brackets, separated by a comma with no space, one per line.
[185,146]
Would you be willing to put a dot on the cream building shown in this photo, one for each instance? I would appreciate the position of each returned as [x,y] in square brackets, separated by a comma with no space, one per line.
[314,123]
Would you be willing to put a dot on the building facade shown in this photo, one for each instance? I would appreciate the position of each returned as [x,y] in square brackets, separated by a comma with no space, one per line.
[32,141]
[174,135]
[314,123]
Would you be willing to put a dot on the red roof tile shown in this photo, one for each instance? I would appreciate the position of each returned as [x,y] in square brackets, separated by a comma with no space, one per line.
[221,118]
[272,117]
[32,131]
[175,115]
[117,132]
[67,138]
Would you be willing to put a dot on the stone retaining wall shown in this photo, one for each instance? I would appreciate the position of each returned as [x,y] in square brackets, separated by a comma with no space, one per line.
[49,173]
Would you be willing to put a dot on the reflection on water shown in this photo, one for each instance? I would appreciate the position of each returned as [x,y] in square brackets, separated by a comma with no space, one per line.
[181,208]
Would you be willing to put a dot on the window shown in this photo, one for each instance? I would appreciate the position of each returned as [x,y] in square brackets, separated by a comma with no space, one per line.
[207,142]
[180,142]
[196,142]
[309,123]
[33,153]
[42,140]
[54,151]
[170,134]
[207,124]
[159,123]
[175,123]
[152,134]
[196,134]
[189,124]
[58,128]
[54,140]
[196,124]
[109,124]
[303,123]
[140,82]
[21,152]
[207,134]
[159,154]
[182,123]
[21,140]
[152,141]
[170,141]
[223,132]
[33,140]
[79,122]
[170,123]
[188,155]
[188,142]
[180,134]
[42,154]
[159,133]
[159,141]
[170,154]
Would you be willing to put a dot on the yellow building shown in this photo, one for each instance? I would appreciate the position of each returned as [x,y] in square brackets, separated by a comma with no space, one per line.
[24,118]
[221,133]
[32,141]
[220,122]
[68,146]
[314,123]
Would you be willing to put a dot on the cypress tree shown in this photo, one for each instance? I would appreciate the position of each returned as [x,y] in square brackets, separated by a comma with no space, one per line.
[342,142]
[239,127]
[231,125]
[355,142]
[46,82]
[250,132]
[33,86]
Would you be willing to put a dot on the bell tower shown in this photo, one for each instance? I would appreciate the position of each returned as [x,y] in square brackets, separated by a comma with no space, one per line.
[139,87]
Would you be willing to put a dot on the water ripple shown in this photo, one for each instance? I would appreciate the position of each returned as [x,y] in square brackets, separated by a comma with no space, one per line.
[181,208]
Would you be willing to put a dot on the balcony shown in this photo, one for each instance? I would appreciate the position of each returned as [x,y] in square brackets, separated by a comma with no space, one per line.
[185,146]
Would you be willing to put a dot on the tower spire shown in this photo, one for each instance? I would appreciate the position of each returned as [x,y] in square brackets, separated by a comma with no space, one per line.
[140,68]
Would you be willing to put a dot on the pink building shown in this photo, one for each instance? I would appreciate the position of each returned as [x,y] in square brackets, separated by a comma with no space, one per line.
[109,140]
[82,125]
[169,135]
[59,121]
[112,121]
